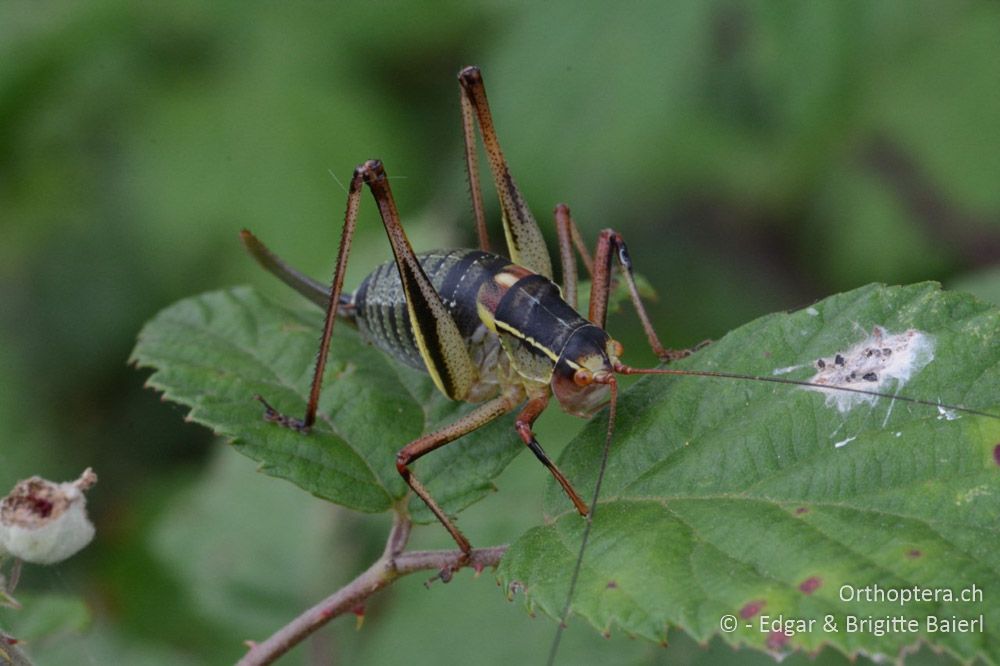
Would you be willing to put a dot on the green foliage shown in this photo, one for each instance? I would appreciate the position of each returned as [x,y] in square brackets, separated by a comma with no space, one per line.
[720,494]
[215,352]
[725,496]
[739,147]
[292,547]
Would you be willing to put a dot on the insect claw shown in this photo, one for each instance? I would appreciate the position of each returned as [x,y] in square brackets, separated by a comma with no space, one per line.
[259,398]
[272,415]
[448,571]
[701,345]
[669,355]
[445,576]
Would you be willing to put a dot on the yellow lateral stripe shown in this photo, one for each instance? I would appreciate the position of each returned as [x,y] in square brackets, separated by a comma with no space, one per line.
[534,343]
[486,316]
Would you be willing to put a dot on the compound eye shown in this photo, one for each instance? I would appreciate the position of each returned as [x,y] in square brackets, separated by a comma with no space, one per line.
[615,348]
[583,377]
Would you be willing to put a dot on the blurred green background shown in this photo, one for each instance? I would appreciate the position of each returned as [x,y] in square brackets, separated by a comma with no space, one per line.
[756,155]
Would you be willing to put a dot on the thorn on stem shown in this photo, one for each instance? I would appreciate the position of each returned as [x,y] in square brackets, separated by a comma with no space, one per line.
[359,613]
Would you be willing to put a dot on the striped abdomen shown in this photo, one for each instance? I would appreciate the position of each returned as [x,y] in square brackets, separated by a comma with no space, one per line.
[457,275]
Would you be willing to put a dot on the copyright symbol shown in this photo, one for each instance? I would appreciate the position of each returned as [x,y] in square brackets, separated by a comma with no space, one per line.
[728,623]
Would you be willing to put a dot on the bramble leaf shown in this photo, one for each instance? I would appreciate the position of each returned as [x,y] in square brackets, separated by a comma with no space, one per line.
[721,496]
[215,351]
[749,499]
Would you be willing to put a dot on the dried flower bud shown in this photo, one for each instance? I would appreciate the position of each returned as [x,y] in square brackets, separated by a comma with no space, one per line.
[44,522]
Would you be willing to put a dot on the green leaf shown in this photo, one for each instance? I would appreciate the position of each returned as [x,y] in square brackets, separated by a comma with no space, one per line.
[215,351]
[732,497]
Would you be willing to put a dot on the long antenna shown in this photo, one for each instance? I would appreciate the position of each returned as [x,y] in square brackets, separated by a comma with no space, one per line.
[626,370]
[564,615]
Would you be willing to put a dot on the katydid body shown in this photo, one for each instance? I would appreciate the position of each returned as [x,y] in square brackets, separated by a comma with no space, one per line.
[523,340]
[520,334]
[488,329]
[514,323]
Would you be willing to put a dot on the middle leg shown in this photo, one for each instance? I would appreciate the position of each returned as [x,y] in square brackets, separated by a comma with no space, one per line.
[421,446]
[532,410]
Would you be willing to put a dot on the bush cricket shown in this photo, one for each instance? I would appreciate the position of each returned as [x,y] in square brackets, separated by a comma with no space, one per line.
[494,328]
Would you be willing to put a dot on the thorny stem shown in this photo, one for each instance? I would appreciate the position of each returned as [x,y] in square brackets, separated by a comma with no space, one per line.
[399,535]
[9,652]
[393,564]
